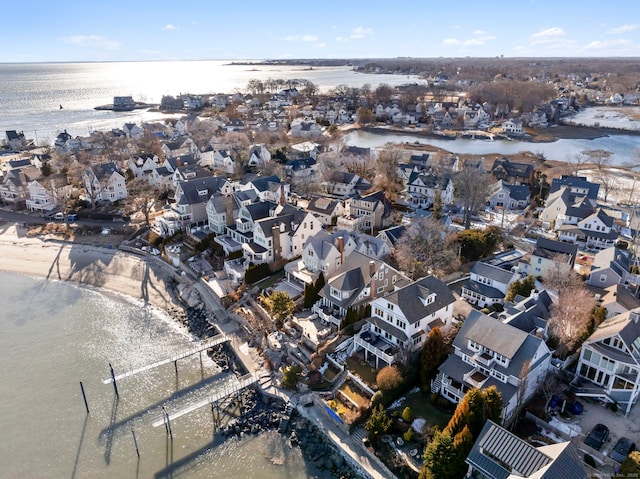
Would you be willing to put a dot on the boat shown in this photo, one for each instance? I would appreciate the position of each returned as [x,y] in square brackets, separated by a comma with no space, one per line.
[61,107]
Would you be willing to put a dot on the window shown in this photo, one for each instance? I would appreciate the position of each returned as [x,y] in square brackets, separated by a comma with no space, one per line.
[603,278]
[378,312]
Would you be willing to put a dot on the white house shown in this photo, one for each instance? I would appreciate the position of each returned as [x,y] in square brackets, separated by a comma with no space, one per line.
[609,363]
[487,284]
[488,352]
[104,183]
[401,320]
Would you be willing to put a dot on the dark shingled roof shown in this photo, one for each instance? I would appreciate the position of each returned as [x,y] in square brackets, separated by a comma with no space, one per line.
[412,299]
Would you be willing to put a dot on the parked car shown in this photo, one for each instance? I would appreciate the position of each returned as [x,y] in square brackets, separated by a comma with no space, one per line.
[72,217]
[598,435]
[622,449]
[59,216]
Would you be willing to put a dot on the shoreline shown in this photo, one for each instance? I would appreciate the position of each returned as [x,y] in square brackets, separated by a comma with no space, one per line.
[97,267]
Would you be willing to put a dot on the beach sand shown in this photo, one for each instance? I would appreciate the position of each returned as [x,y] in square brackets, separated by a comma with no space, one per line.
[93,266]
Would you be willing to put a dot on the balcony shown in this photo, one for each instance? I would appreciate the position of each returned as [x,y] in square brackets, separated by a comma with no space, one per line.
[475,378]
[483,358]
[454,389]
[377,346]
[329,314]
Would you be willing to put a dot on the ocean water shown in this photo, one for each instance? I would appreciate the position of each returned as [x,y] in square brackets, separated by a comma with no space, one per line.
[54,335]
[31,94]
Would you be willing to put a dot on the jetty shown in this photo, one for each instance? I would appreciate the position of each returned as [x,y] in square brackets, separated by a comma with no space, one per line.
[225,388]
[201,346]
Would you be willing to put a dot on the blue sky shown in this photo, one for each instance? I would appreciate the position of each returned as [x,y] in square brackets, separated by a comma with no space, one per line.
[43,30]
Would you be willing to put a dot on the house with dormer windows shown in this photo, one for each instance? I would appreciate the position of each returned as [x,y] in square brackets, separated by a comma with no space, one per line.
[343,184]
[550,256]
[609,364]
[44,194]
[422,189]
[142,166]
[598,231]
[357,282]
[365,213]
[488,352]
[259,156]
[104,183]
[508,196]
[400,321]
[222,209]
[487,284]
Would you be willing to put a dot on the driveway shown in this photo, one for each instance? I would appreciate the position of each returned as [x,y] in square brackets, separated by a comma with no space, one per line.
[619,426]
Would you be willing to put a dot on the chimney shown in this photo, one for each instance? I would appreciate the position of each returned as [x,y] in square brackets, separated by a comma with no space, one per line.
[178,162]
[275,229]
[228,206]
[341,248]
[372,283]
[283,198]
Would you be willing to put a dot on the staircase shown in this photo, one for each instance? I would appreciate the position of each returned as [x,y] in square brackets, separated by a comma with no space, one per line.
[359,434]
[337,382]
[436,384]
[284,423]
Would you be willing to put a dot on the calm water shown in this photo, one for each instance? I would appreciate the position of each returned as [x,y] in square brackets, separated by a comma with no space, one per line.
[31,94]
[53,335]
[625,148]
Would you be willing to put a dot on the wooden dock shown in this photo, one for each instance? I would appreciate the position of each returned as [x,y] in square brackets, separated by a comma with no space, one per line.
[223,389]
[218,339]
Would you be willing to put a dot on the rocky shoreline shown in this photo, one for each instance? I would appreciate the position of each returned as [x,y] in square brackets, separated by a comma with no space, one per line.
[260,413]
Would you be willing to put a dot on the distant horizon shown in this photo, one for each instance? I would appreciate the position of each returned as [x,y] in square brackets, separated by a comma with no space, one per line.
[71,31]
[302,59]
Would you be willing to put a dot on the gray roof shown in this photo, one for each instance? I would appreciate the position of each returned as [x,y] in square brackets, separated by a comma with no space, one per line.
[392,234]
[493,272]
[191,189]
[483,289]
[491,333]
[497,453]
[621,325]
[575,181]
[548,248]
[411,299]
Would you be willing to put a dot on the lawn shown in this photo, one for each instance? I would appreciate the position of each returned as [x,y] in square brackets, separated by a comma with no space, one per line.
[364,370]
[421,406]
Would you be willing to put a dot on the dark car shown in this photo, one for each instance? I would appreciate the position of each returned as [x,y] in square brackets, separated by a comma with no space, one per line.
[597,436]
[621,450]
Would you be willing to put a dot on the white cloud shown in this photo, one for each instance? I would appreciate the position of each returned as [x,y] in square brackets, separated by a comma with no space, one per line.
[547,36]
[603,44]
[301,38]
[93,41]
[451,41]
[623,29]
[320,45]
[361,32]
[341,39]
[479,32]
[169,26]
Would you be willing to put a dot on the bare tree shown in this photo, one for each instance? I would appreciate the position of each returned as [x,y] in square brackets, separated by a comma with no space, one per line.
[423,249]
[387,178]
[142,197]
[576,161]
[571,311]
[472,189]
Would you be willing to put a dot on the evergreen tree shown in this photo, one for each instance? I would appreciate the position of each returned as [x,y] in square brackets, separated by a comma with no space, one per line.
[431,356]
[378,424]
[441,459]
[521,288]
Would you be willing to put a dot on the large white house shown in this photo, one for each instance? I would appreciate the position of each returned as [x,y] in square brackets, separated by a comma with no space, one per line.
[400,322]
[488,352]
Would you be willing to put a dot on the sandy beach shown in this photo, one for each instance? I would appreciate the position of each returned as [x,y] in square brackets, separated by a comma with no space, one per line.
[94,266]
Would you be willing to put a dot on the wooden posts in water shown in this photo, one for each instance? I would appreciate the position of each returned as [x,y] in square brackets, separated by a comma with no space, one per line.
[113,379]
[84,396]
[135,443]
[167,422]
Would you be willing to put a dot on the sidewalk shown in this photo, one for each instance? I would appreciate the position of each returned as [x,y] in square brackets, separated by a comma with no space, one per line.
[346,443]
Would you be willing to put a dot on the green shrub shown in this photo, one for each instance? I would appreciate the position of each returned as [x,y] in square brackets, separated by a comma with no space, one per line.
[408,435]
[256,273]
[407,415]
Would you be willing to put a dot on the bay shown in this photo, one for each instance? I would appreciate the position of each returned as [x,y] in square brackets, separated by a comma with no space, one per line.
[31,94]
[54,335]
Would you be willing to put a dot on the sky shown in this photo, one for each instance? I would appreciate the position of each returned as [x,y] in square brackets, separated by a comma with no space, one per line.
[95,30]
